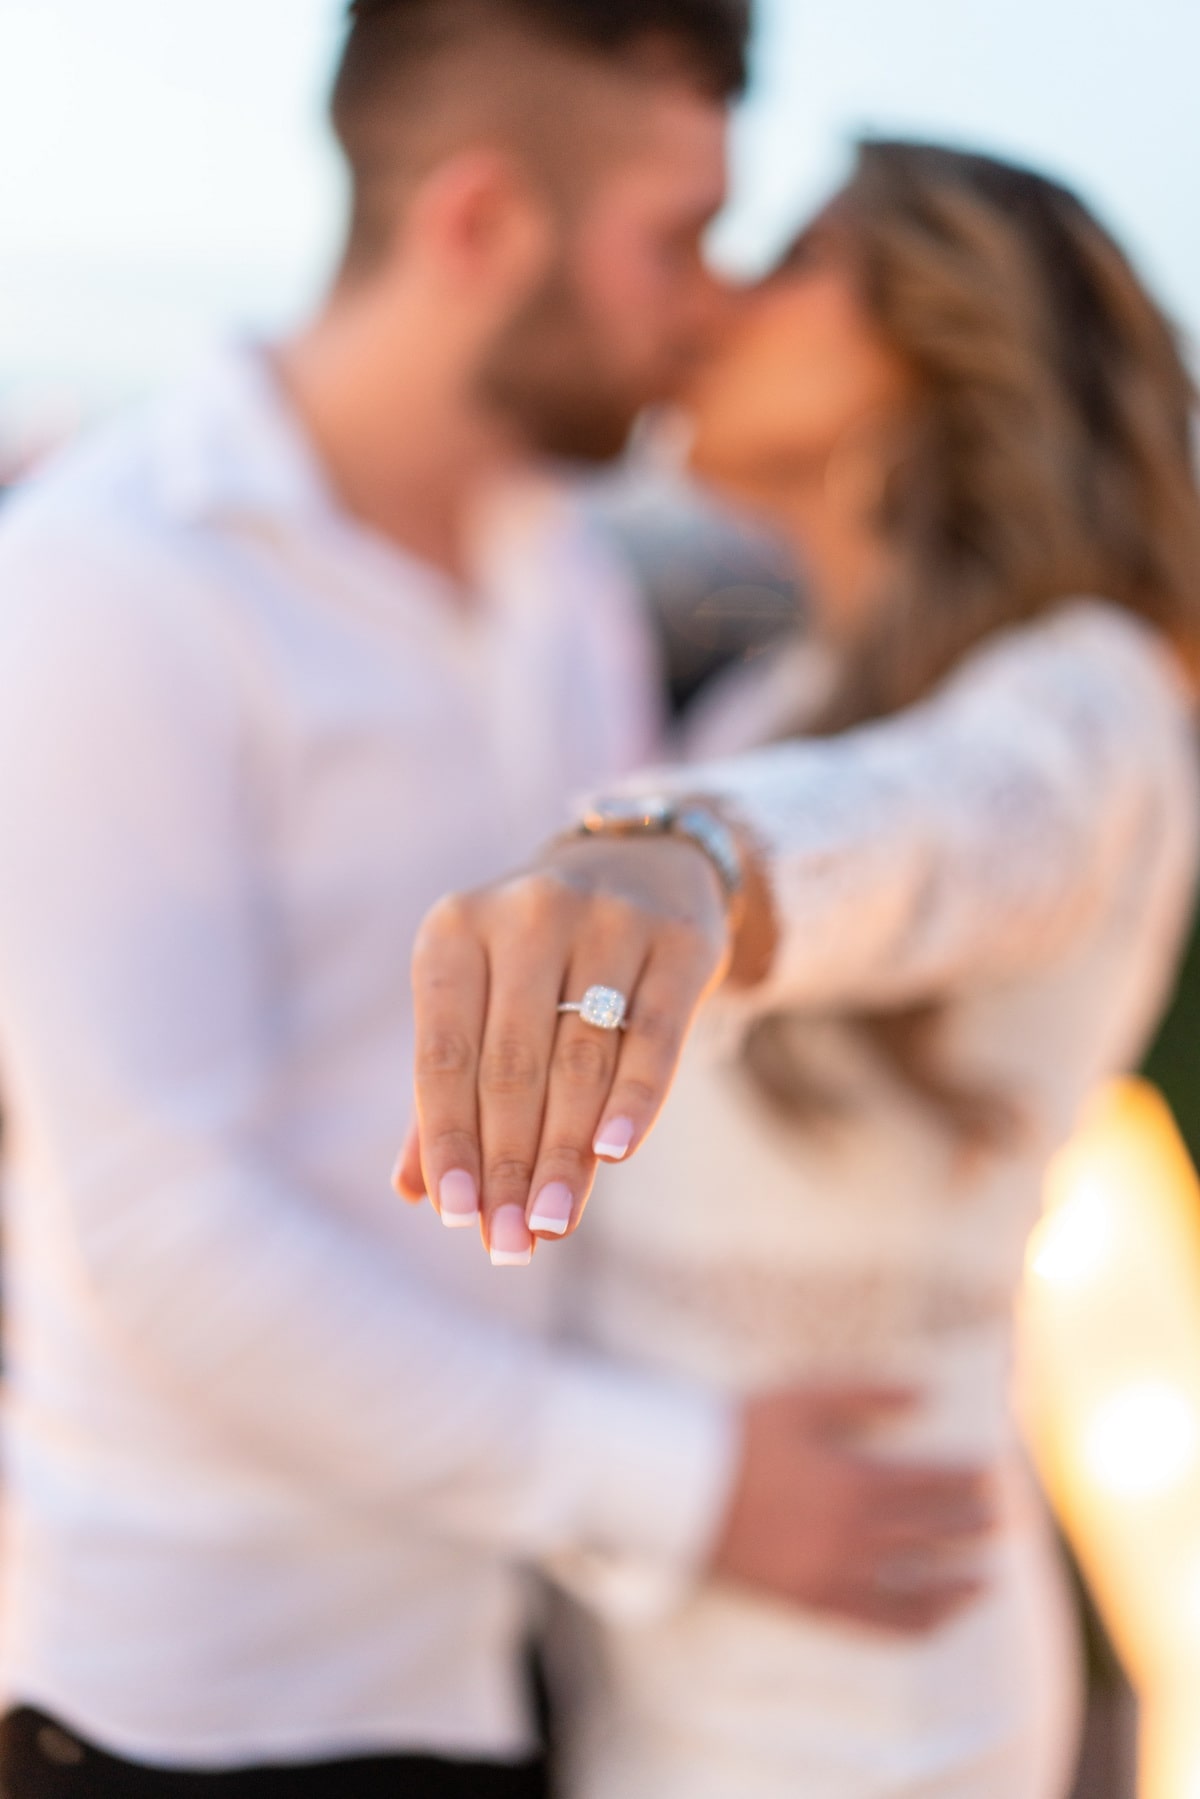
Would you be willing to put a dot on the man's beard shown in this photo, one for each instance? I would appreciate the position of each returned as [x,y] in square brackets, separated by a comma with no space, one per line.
[545,377]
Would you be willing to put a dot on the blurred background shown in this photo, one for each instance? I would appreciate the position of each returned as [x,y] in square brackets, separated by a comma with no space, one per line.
[167,177]
[167,172]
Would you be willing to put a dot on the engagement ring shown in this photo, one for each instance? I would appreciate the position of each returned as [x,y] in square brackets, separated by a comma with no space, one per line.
[602,1007]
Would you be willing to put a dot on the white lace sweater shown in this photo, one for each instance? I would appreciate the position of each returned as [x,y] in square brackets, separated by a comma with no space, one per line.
[1020,850]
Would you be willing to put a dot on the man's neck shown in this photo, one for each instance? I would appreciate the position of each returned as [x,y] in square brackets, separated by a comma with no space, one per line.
[400,448]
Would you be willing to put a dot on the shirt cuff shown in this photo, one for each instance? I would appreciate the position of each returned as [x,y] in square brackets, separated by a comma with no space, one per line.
[639,1473]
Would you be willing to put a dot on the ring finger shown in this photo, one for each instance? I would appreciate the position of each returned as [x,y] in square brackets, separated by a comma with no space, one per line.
[607,1118]
[583,1065]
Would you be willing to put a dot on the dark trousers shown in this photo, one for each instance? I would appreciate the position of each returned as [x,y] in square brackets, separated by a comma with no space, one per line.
[42,1759]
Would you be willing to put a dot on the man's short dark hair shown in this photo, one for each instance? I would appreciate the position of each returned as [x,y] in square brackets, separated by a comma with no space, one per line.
[395,47]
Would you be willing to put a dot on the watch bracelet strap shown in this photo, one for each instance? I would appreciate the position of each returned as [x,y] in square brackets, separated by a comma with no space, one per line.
[710,834]
[698,824]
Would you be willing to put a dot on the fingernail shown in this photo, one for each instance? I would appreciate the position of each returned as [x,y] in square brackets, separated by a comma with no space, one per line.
[552,1210]
[509,1241]
[458,1198]
[614,1139]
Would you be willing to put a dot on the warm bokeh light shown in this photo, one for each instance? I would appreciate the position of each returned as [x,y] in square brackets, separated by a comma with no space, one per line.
[1076,1240]
[1143,1440]
[1110,1387]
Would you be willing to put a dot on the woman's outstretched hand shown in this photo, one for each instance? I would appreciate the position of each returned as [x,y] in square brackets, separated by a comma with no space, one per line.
[515,1103]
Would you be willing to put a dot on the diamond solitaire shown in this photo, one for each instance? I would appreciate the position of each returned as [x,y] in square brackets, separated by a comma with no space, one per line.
[604,1008]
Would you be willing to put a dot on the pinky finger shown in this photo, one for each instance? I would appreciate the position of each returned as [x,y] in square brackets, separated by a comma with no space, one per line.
[667,1001]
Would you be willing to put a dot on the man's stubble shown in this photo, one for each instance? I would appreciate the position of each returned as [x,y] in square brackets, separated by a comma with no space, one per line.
[549,376]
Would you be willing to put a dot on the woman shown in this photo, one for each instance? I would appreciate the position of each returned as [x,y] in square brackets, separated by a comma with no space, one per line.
[963,896]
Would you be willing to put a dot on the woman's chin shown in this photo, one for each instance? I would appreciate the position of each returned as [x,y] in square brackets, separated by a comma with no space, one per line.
[735,489]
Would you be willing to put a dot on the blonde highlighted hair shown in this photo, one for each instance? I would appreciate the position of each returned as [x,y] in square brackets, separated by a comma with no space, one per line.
[1052,452]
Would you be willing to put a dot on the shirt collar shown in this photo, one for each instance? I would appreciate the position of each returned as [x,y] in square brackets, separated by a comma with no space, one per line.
[230,446]
[232,451]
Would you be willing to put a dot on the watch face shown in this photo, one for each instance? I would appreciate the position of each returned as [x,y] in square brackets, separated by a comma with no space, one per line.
[630,815]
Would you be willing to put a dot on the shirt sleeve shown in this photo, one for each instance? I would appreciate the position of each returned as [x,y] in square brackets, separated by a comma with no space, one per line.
[968,839]
[138,1022]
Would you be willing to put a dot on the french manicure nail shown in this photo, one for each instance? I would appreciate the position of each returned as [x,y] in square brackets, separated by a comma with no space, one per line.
[552,1210]
[458,1198]
[510,1244]
[614,1140]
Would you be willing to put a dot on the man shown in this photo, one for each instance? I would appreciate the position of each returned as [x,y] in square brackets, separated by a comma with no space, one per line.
[271,1457]
[276,1453]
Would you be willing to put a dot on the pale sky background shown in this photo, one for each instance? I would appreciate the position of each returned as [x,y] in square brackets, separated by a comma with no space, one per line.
[165,173]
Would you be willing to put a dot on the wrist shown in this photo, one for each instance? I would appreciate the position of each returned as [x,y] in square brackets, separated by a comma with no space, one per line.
[695,821]
[749,906]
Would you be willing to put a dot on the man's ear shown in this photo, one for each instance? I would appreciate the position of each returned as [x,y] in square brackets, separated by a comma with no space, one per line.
[478,223]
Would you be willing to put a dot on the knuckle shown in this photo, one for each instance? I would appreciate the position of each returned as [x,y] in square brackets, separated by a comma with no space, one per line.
[615,916]
[510,1171]
[567,1159]
[638,1094]
[444,1053]
[687,942]
[454,1147]
[585,1061]
[656,1028]
[509,1067]
[535,897]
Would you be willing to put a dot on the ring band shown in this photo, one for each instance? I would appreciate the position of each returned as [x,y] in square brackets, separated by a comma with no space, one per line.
[604,1008]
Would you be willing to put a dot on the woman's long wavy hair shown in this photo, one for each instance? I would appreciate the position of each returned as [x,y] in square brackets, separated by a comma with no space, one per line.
[1050,453]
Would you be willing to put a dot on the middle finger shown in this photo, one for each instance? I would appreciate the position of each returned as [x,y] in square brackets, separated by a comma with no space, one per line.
[513,1070]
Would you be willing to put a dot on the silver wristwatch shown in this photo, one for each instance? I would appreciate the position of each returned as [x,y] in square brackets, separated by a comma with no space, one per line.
[661,817]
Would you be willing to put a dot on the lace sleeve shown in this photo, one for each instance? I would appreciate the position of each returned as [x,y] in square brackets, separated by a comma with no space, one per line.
[971,837]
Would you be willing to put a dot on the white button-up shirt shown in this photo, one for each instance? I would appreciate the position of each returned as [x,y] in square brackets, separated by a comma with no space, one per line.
[277,1445]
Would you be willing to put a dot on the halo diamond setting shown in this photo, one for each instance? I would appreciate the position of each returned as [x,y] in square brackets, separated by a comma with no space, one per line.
[604,1008]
